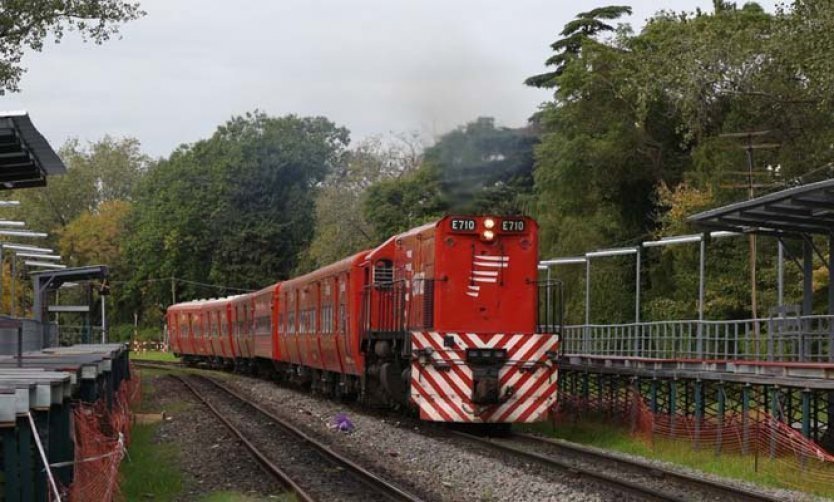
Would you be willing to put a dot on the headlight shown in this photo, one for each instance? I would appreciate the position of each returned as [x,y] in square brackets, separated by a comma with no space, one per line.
[489,223]
[488,235]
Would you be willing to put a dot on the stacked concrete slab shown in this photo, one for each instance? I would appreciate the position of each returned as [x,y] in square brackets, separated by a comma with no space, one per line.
[37,393]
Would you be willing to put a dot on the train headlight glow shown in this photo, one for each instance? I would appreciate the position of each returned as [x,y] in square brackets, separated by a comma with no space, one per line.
[488,235]
[489,223]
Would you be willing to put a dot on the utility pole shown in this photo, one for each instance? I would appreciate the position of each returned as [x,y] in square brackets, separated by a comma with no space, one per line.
[749,147]
[750,195]
[173,290]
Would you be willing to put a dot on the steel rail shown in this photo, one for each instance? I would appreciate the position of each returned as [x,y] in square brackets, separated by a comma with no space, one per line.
[149,363]
[273,469]
[719,487]
[368,478]
[620,484]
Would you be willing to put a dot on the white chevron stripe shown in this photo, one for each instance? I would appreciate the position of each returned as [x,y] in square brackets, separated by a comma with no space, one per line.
[486,273]
[492,280]
[542,384]
[492,258]
[490,264]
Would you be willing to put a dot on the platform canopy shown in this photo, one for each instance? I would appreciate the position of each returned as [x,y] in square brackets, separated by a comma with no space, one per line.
[26,158]
[806,209]
[54,278]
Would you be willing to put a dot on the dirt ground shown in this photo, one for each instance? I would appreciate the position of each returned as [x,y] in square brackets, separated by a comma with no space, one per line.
[211,460]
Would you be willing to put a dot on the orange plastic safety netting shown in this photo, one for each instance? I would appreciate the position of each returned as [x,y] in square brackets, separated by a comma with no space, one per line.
[101,434]
[774,448]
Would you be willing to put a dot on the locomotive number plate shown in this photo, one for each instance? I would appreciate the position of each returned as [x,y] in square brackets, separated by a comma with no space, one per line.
[512,226]
[463,225]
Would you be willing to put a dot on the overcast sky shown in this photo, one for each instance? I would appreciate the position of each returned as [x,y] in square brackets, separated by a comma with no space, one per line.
[374,66]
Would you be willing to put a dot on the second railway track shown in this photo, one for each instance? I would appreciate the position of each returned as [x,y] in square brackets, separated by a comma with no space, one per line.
[310,469]
[633,478]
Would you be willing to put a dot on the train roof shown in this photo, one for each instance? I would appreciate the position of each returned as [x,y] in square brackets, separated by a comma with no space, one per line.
[407,233]
[345,263]
[269,290]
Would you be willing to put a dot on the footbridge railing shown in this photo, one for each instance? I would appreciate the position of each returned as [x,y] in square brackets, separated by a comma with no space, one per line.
[797,338]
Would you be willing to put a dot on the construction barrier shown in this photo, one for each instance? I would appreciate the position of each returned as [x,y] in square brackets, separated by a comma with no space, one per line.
[758,436]
[101,436]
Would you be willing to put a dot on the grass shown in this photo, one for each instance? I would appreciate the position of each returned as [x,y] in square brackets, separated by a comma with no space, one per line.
[150,472]
[779,473]
[154,355]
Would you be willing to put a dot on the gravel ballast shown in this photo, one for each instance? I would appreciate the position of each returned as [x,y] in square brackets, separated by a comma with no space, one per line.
[403,449]
[210,458]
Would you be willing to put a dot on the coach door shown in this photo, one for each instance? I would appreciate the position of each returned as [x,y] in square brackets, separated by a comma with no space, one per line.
[341,322]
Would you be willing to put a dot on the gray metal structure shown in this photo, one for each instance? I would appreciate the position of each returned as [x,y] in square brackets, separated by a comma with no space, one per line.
[46,281]
[26,158]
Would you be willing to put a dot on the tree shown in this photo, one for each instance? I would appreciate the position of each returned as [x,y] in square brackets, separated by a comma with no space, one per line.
[342,228]
[477,168]
[97,237]
[235,209]
[106,170]
[633,140]
[586,26]
[26,24]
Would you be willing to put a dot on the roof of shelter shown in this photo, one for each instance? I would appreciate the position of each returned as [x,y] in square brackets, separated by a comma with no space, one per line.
[805,209]
[26,158]
[58,277]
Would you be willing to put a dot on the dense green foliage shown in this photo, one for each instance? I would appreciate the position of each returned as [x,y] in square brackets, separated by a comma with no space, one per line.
[342,227]
[235,209]
[477,168]
[85,211]
[636,131]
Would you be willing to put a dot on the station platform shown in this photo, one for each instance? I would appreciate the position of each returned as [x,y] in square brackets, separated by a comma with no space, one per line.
[811,375]
[39,392]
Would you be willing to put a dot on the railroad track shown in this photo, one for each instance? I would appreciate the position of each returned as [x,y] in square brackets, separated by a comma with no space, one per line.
[630,477]
[310,469]
[149,363]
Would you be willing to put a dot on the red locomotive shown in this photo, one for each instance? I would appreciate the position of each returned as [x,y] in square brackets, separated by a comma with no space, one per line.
[444,317]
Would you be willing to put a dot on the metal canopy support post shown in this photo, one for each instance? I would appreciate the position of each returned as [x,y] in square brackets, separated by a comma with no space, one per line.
[807,276]
[586,346]
[807,289]
[104,318]
[637,288]
[780,274]
[702,268]
[831,295]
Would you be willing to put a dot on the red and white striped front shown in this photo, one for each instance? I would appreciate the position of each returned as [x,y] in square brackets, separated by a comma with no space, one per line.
[442,380]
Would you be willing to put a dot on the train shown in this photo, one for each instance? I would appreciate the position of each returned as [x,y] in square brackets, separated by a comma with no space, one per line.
[445,319]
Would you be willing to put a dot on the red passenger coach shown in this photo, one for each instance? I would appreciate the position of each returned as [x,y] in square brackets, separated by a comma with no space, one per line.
[263,339]
[443,318]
